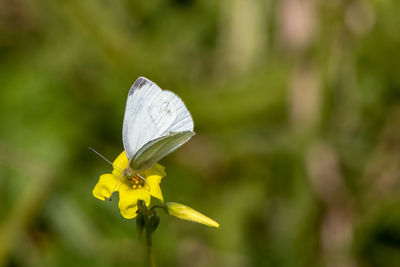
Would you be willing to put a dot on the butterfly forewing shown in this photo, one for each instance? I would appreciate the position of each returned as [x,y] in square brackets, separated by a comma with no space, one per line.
[183,121]
[148,114]
[156,122]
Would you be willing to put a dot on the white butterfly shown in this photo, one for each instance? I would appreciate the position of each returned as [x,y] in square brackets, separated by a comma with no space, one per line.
[156,122]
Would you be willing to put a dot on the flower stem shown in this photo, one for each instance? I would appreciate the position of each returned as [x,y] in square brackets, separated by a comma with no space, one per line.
[163,207]
[150,252]
[147,214]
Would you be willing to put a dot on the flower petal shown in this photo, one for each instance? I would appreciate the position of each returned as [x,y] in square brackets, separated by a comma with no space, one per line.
[153,178]
[157,169]
[105,186]
[154,184]
[128,198]
[120,164]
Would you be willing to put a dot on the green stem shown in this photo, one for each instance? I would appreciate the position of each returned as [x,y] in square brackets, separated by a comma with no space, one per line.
[159,207]
[149,244]
[147,213]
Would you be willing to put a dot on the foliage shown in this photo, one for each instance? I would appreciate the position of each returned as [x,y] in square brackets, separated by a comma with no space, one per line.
[297,114]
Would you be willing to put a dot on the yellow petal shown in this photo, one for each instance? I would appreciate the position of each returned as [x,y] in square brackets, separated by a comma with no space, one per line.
[153,177]
[120,164]
[157,169]
[105,186]
[154,184]
[187,213]
[128,198]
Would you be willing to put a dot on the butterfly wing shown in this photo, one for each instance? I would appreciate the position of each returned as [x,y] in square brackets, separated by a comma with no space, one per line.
[183,120]
[148,114]
[152,113]
[156,149]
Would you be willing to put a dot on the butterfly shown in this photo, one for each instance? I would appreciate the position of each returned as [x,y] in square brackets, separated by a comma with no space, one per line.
[156,122]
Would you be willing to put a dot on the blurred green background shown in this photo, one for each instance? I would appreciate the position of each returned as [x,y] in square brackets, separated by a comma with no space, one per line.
[296,106]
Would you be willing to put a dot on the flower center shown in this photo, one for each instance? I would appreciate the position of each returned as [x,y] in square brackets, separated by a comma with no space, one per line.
[136,181]
[134,178]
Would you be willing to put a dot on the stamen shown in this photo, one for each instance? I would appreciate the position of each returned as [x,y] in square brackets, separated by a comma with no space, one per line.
[144,179]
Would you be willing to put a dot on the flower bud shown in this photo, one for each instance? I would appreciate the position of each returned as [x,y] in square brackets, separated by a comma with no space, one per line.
[140,223]
[187,213]
[154,222]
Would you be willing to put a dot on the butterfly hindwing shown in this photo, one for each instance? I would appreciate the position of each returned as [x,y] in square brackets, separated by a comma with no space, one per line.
[156,149]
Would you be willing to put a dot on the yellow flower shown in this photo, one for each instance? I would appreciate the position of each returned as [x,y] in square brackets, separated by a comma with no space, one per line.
[130,186]
[187,213]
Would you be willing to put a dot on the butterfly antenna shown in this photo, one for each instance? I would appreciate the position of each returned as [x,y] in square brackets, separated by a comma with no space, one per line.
[101,156]
[119,178]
